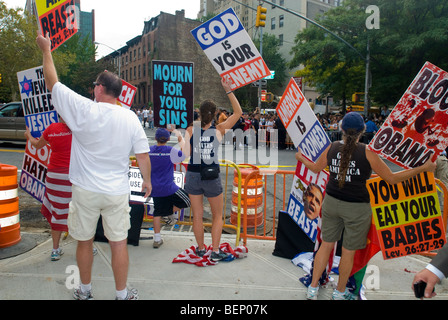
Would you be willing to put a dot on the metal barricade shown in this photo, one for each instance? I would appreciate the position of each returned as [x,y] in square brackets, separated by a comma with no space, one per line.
[188,213]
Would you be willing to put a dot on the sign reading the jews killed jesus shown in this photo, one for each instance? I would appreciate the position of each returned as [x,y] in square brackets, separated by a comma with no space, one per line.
[231,50]
[39,115]
[416,130]
[173,93]
[301,123]
[57,18]
[407,215]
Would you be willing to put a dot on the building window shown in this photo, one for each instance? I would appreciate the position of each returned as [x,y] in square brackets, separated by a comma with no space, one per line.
[281,21]
[280,39]
[273,23]
[282,3]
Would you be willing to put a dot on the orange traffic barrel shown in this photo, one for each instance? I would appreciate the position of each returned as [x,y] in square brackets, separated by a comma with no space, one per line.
[251,200]
[9,207]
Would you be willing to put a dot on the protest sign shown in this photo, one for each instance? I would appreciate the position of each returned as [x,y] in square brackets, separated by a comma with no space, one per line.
[305,200]
[415,131]
[39,115]
[59,19]
[301,123]
[173,93]
[36,100]
[127,94]
[136,181]
[407,215]
[231,50]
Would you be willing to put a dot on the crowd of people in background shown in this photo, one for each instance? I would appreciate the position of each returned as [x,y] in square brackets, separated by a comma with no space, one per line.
[274,133]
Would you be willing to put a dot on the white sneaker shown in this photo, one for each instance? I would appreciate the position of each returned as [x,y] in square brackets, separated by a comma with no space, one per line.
[311,293]
[346,295]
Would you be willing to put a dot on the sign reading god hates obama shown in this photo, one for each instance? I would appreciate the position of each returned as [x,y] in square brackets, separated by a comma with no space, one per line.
[57,18]
[231,50]
[407,215]
[301,123]
[173,93]
[416,129]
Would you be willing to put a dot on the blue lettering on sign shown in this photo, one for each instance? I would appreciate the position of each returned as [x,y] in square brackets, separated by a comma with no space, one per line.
[314,142]
[217,29]
[296,212]
[37,123]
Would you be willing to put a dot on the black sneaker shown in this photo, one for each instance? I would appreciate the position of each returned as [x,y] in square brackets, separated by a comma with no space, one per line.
[200,253]
[218,256]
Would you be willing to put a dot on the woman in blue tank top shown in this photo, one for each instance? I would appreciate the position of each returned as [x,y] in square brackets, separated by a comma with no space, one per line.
[346,206]
[203,177]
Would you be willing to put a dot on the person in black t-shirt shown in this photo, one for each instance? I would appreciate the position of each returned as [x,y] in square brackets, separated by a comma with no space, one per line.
[346,206]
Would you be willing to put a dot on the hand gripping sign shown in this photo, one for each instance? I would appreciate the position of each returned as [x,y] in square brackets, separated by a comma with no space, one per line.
[301,123]
[59,19]
[231,50]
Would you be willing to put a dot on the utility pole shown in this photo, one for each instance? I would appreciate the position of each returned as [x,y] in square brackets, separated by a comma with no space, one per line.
[260,23]
[365,59]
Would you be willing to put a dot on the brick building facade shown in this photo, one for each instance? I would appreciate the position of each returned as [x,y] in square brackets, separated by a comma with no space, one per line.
[167,37]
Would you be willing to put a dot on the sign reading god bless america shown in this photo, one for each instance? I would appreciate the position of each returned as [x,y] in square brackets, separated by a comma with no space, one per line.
[231,50]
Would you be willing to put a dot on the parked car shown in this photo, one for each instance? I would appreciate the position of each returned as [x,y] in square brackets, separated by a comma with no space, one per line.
[12,122]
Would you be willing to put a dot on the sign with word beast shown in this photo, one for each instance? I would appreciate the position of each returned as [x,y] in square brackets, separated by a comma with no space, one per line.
[231,50]
[59,19]
[306,198]
[301,123]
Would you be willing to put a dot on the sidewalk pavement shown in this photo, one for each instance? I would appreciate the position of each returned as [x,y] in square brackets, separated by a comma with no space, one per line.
[258,277]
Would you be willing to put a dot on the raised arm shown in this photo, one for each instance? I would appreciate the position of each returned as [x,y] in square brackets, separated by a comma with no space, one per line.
[317,166]
[381,168]
[237,112]
[50,74]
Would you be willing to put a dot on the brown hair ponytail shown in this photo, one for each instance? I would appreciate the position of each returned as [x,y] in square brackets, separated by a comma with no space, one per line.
[207,112]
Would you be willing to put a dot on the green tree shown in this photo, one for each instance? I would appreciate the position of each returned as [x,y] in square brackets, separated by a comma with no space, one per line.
[82,70]
[248,95]
[411,32]
[18,50]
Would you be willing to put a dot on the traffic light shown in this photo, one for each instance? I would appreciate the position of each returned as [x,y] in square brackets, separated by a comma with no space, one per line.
[0,78]
[261,16]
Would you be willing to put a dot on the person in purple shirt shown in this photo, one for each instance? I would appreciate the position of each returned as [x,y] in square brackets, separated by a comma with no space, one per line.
[167,196]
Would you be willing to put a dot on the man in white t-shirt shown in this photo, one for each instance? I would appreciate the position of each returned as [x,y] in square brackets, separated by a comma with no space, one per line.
[104,134]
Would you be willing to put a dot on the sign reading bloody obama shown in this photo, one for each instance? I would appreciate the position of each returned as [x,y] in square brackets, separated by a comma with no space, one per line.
[231,50]
[173,93]
[416,129]
[301,123]
[57,18]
